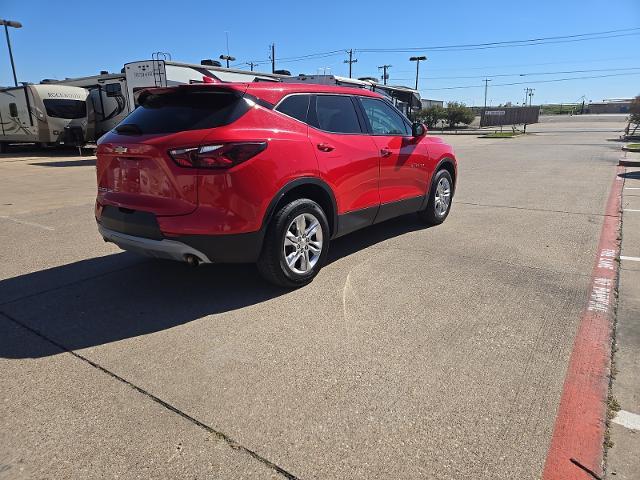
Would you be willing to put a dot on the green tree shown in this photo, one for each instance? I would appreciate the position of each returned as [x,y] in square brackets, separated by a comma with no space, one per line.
[431,115]
[458,112]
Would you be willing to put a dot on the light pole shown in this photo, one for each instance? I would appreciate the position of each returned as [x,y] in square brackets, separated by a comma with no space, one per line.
[9,23]
[227,58]
[417,60]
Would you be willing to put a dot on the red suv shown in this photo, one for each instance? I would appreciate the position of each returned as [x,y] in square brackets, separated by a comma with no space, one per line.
[264,172]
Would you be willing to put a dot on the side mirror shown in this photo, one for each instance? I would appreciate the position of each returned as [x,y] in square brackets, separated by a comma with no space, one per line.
[418,129]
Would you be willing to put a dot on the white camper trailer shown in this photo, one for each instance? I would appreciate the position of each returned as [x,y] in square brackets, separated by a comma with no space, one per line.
[108,97]
[45,115]
[166,73]
[404,98]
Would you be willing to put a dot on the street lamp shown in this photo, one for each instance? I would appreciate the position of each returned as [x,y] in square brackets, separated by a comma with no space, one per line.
[10,23]
[227,58]
[417,60]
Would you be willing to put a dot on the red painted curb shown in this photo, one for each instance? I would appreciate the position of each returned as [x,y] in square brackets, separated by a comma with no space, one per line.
[577,443]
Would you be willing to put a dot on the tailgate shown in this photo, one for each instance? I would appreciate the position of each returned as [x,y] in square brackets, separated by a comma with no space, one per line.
[134,168]
[141,176]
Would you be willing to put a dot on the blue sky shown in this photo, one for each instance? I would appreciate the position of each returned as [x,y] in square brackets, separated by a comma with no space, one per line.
[77,38]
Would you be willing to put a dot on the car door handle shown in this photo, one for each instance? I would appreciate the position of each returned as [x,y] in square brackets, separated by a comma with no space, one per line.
[325,147]
[385,152]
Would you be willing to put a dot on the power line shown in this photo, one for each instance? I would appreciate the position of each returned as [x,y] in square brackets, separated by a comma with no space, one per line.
[527,74]
[515,43]
[312,56]
[537,81]
[463,47]
[564,62]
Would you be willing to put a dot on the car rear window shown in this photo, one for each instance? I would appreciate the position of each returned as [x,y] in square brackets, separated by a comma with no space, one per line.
[180,111]
[65,108]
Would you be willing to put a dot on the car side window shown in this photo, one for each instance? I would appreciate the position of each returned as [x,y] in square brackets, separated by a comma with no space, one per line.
[336,114]
[295,106]
[383,119]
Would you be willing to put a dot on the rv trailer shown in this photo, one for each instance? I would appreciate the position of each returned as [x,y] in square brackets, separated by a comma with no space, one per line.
[404,98]
[108,97]
[166,73]
[45,115]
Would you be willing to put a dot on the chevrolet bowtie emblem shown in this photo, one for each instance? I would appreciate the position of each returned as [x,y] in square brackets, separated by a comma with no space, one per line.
[120,149]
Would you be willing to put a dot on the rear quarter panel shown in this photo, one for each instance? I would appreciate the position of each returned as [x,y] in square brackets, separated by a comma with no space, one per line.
[235,200]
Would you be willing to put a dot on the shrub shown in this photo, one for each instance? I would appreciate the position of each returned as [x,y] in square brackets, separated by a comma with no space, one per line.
[458,112]
[431,115]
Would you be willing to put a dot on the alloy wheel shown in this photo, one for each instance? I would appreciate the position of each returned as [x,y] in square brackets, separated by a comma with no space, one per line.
[303,243]
[442,197]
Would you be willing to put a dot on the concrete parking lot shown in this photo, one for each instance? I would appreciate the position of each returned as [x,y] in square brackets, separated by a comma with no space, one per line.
[416,353]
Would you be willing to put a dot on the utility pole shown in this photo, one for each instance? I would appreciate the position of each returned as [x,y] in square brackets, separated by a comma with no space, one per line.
[526,94]
[251,65]
[417,60]
[384,73]
[486,87]
[273,58]
[351,60]
[9,23]
[531,90]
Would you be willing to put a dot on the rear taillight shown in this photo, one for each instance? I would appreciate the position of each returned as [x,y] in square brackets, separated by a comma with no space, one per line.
[222,155]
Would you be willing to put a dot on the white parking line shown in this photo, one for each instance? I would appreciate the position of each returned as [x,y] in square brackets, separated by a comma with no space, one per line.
[31,224]
[632,188]
[627,419]
[633,259]
[631,210]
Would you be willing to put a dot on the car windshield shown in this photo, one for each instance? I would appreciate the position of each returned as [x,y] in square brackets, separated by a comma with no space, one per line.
[65,108]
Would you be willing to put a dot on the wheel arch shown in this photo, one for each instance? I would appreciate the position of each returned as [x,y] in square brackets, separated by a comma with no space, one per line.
[449,165]
[308,187]
[445,163]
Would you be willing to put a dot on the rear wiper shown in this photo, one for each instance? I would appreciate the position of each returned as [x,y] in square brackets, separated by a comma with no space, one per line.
[129,128]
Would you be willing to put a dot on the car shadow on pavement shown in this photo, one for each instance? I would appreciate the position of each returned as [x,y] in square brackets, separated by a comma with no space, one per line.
[88,162]
[633,175]
[106,299]
[31,151]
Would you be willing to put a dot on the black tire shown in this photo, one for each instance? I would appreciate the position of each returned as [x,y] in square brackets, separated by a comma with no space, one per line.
[433,214]
[4,147]
[272,263]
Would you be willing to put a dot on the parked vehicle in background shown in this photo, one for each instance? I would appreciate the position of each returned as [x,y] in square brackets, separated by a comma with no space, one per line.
[108,97]
[46,115]
[264,172]
[403,98]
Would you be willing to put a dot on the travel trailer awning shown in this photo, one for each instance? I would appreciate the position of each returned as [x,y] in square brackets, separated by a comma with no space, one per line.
[402,94]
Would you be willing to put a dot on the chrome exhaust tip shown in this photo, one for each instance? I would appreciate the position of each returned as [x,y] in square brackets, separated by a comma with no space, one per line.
[192,260]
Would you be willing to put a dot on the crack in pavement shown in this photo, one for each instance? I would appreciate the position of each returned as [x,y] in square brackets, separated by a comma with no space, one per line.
[496,260]
[221,435]
[533,209]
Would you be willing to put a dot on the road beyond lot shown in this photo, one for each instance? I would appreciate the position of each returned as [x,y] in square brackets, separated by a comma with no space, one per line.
[416,353]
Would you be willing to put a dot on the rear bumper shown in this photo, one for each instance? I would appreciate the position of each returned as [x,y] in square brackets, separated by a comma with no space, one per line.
[169,249]
[141,232]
